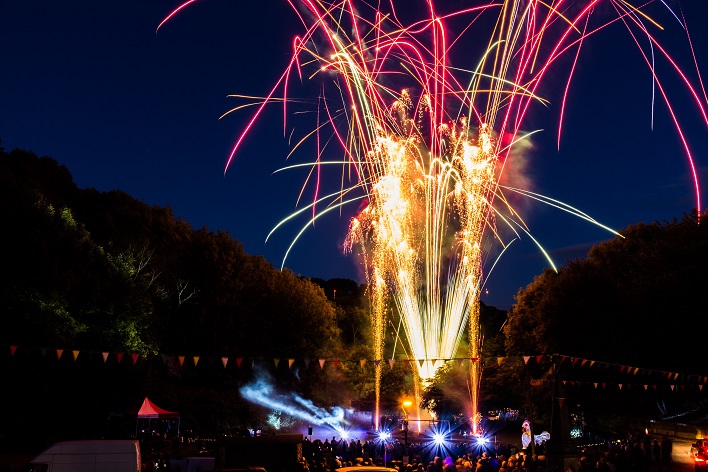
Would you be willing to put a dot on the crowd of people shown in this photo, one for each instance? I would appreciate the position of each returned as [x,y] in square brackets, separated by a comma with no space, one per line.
[633,453]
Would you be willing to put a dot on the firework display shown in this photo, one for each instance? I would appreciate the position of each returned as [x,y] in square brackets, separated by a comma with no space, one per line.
[422,143]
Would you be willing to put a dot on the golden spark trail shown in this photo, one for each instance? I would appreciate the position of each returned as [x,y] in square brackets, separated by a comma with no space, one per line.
[426,153]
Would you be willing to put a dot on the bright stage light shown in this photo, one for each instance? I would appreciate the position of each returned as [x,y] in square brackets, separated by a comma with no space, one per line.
[439,439]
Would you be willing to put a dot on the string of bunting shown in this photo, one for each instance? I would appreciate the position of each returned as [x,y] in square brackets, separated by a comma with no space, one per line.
[671,379]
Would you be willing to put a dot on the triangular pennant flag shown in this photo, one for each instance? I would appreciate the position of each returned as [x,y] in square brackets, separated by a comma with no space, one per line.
[59,353]
[539,359]
[700,387]
[377,362]
[460,360]
[75,353]
[391,362]
[672,387]
[291,362]
[595,384]
[620,386]
[526,359]
[307,362]
[180,359]
[499,360]
[196,360]
[224,361]
[362,362]
[135,357]
[104,354]
[43,350]
[119,356]
[322,363]
[646,386]
[238,361]
[277,361]
[12,350]
[406,363]
[336,362]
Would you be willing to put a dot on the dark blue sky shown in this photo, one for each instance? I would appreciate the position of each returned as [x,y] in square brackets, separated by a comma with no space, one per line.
[92,85]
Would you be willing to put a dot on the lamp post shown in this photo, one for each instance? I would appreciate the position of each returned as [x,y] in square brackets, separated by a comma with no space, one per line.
[406,405]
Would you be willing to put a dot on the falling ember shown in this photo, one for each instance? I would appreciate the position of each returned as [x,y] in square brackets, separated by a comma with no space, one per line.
[425,144]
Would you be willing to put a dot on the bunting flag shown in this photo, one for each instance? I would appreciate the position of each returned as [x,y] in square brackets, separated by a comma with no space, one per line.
[676,381]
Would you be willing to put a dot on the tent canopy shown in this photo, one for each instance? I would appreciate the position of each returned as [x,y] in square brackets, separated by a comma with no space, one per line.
[150,410]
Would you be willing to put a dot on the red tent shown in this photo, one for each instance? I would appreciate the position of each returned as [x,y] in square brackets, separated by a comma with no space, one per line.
[149,410]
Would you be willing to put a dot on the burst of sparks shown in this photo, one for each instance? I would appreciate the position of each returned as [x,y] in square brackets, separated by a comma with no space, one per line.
[425,144]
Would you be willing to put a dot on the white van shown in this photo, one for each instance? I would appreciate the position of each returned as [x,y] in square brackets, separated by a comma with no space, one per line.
[89,456]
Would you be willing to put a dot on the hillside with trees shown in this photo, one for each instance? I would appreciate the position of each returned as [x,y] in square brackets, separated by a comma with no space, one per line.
[106,300]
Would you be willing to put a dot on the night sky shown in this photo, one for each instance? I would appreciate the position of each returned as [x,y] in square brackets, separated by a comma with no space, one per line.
[94,86]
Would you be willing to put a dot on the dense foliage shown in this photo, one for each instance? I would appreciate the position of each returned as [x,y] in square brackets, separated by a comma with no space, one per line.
[636,300]
[91,272]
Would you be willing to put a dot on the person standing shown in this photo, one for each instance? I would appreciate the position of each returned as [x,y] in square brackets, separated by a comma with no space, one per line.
[666,451]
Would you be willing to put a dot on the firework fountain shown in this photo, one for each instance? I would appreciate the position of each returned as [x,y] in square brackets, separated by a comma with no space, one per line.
[425,143]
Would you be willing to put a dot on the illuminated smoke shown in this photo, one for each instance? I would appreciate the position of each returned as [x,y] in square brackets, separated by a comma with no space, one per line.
[263,393]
